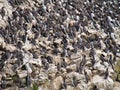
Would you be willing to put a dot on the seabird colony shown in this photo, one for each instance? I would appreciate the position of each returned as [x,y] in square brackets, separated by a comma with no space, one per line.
[59,44]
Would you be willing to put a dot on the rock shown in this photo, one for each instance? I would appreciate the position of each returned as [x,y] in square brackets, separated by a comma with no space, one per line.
[52,69]
[10,47]
[27,46]
[82,86]
[47,43]
[63,70]
[112,74]
[71,67]
[89,73]
[79,77]
[2,23]
[7,6]
[57,82]
[2,42]
[22,74]
[70,88]
[72,22]
[117,86]
[26,63]
[30,34]
[92,31]
[58,41]
[42,77]
[35,62]
[104,35]
[9,71]
[117,66]
[76,56]
[106,64]
[70,47]
[28,68]
[57,59]
[100,68]
[88,63]
[101,83]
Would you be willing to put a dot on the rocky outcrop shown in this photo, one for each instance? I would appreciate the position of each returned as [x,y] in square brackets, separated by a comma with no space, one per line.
[59,44]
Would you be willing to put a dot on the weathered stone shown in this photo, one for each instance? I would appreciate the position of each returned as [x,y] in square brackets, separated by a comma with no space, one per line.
[102,83]
[22,74]
[57,82]
[70,88]
[27,46]
[71,67]
[99,68]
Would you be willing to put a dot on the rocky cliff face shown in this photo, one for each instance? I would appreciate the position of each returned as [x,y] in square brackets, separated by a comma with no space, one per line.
[59,45]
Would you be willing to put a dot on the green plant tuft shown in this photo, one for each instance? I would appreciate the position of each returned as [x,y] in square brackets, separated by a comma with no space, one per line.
[35,87]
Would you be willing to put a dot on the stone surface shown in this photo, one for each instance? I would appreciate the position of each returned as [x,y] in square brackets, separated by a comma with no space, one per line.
[102,83]
[57,82]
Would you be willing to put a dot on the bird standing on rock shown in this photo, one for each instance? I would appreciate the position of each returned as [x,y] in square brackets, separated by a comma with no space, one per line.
[111,61]
[3,82]
[106,74]
[28,81]
[2,12]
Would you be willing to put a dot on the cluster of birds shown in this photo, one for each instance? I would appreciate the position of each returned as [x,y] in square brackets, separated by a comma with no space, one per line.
[63,26]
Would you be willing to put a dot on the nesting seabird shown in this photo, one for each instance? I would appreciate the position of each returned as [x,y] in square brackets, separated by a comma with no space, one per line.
[3,12]
[3,82]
